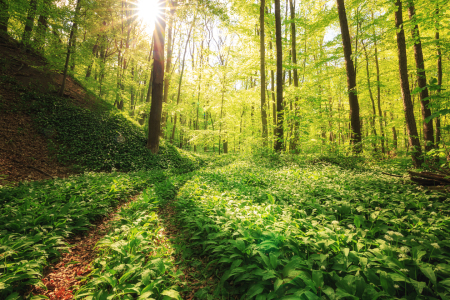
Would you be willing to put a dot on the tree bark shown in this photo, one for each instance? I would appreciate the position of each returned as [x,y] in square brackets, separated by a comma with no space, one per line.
[170,39]
[414,141]
[422,81]
[351,79]
[279,128]
[380,115]
[29,23]
[180,81]
[154,121]
[4,15]
[263,72]
[296,124]
[69,48]
[374,131]
[439,76]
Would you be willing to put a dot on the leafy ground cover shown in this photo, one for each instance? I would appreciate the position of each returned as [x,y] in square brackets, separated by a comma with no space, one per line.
[276,230]
[100,140]
[135,258]
[37,216]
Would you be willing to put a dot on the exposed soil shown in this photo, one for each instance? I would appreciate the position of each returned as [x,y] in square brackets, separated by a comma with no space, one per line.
[24,153]
[63,278]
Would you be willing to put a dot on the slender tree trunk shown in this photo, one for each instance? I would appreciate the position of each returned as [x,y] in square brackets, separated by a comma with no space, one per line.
[181,79]
[374,131]
[380,115]
[41,30]
[4,15]
[351,79]
[154,121]
[69,48]
[170,39]
[263,73]
[29,23]
[422,81]
[296,124]
[407,103]
[279,128]
[439,76]
[394,133]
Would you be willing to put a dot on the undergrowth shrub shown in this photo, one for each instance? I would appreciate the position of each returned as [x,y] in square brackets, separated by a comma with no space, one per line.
[100,140]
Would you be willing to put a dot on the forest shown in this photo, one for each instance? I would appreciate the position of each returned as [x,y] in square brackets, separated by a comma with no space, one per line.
[214,149]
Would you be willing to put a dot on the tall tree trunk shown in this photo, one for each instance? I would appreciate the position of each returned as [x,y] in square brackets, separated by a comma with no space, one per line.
[263,72]
[69,47]
[407,104]
[154,121]
[428,133]
[279,128]
[439,76]
[29,23]
[296,124]
[274,103]
[180,81]
[380,115]
[374,113]
[351,79]
[170,39]
[4,15]
[41,30]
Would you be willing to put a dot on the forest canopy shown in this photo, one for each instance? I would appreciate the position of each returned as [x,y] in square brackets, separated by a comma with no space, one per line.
[297,76]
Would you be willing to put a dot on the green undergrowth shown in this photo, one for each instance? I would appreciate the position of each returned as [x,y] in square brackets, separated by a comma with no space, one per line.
[277,230]
[135,259]
[99,140]
[35,218]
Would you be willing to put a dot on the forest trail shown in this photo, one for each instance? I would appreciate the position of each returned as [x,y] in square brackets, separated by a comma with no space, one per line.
[62,277]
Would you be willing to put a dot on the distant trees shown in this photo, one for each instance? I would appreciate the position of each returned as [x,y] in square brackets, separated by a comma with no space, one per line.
[268,86]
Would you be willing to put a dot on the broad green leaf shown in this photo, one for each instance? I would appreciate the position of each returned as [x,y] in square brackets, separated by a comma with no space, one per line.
[171,293]
[428,271]
[255,290]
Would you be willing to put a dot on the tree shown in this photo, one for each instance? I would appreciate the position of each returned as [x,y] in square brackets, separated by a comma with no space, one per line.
[29,24]
[351,79]
[439,74]
[4,15]
[154,121]
[263,72]
[295,126]
[70,47]
[404,83]
[279,45]
[421,80]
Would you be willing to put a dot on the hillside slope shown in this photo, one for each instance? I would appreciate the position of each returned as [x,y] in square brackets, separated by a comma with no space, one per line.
[44,136]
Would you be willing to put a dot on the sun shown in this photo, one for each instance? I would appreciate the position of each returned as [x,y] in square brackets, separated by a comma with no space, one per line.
[148,12]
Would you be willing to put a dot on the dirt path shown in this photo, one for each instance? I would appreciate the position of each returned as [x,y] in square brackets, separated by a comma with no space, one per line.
[63,277]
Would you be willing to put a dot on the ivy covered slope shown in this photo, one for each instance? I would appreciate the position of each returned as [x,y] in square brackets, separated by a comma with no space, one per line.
[101,139]
[316,231]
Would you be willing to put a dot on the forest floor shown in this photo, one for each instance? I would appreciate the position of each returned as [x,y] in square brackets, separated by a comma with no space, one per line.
[24,153]
[244,227]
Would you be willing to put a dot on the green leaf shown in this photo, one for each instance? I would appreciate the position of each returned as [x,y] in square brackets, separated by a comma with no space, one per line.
[387,283]
[146,277]
[14,296]
[171,293]
[428,271]
[317,277]
[159,264]
[255,290]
